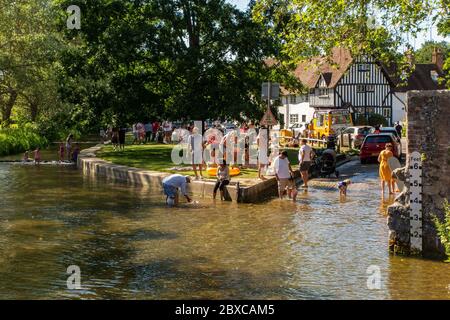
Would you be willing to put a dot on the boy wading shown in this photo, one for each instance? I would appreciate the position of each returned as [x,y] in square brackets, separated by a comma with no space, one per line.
[305,155]
[284,175]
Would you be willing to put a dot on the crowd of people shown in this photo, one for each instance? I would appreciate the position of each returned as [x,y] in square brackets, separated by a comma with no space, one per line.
[278,161]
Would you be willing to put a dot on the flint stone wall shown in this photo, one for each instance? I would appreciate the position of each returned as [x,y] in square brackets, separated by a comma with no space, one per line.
[428,132]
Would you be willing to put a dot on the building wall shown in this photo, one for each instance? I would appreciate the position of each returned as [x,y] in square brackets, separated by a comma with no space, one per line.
[428,133]
[368,91]
[399,107]
[300,109]
[322,100]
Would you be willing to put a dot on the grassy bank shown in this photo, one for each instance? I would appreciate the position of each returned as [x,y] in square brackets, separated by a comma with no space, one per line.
[157,157]
[15,140]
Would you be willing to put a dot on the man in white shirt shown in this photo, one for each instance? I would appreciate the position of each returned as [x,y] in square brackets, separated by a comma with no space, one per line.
[171,184]
[305,155]
[284,174]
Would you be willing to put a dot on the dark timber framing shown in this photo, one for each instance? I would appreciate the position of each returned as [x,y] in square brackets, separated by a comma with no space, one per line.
[365,86]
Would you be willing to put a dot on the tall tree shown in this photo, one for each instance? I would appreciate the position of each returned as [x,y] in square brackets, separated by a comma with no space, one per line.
[377,27]
[425,52]
[28,46]
[192,59]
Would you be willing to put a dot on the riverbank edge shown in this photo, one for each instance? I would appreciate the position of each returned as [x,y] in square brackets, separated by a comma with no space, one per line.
[92,166]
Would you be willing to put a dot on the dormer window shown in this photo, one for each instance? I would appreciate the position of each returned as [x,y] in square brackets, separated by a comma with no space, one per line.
[363,67]
[434,76]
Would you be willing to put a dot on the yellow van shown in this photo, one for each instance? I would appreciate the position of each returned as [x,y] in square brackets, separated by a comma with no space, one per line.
[330,122]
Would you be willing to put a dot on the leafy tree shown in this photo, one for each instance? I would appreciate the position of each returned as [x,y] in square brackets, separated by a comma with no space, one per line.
[443,229]
[425,53]
[28,46]
[377,27]
[190,59]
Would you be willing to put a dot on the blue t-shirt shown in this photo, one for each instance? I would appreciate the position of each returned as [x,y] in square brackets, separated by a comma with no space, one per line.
[176,181]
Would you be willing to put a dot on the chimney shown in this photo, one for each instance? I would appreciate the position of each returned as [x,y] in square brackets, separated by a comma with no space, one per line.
[410,57]
[438,58]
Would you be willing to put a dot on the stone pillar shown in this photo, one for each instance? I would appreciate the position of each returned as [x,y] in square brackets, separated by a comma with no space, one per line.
[428,132]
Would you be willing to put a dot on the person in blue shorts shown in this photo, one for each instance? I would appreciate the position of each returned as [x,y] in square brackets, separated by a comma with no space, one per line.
[171,184]
[342,186]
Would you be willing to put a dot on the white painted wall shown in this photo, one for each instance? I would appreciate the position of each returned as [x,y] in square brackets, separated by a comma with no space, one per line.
[299,109]
[398,107]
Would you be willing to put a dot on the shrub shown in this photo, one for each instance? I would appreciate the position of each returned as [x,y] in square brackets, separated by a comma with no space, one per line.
[377,119]
[16,140]
[443,229]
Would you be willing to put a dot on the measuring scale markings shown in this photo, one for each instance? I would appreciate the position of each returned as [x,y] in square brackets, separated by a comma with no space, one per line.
[415,199]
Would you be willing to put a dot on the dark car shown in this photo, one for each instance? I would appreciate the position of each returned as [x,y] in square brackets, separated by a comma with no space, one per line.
[375,143]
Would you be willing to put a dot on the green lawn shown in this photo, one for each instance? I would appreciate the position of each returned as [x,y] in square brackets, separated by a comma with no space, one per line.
[156,157]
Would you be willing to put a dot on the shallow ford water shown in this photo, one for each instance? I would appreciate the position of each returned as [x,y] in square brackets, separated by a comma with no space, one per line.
[130,246]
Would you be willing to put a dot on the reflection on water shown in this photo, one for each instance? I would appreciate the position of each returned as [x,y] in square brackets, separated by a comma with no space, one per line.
[129,245]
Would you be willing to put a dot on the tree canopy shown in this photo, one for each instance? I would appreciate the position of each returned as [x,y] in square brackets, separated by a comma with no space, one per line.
[377,27]
[190,59]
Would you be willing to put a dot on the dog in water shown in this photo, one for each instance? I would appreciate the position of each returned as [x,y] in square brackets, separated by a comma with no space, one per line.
[342,186]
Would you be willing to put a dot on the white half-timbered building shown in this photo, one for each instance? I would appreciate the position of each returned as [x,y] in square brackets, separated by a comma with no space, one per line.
[342,82]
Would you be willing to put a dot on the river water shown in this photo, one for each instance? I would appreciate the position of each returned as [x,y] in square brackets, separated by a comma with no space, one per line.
[128,245]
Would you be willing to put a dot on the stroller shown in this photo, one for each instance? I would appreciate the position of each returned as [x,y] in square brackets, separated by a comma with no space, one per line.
[327,161]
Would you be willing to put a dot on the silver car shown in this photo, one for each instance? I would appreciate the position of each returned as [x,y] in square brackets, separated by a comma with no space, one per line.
[353,137]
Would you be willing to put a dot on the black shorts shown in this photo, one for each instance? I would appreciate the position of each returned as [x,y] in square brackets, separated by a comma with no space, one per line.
[305,166]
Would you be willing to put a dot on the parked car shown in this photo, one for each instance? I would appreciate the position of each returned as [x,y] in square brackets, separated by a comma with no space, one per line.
[297,128]
[393,131]
[353,137]
[375,143]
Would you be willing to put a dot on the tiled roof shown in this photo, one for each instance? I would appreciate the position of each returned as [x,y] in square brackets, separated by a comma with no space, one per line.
[333,68]
[421,79]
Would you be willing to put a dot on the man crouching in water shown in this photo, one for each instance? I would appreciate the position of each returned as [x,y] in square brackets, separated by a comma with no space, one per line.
[171,184]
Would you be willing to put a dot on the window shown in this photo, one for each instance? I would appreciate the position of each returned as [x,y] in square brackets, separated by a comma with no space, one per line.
[303,117]
[363,67]
[320,120]
[293,118]
[379,139]
[434,76]
[370,88]
[323,92]
[293,99]
[364,131]
[312,91]
[360,88]
[387,113]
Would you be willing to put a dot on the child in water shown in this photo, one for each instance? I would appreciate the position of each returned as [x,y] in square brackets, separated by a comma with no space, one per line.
[37,155]
[342,186]
[61,152]
[26,156]
[75,153]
